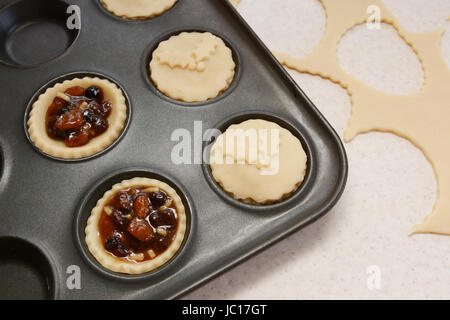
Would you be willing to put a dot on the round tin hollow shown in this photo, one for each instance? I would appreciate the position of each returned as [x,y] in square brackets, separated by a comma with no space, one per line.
[293,127]
[71,76]
[35,32]
[125,19]
[154,44]
[98,190]
[26,272]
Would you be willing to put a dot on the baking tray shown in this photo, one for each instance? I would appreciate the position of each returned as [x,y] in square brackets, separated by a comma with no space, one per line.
[45,202]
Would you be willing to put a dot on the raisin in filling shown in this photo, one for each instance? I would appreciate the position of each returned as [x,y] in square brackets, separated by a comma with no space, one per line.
[137,224]
[78,115]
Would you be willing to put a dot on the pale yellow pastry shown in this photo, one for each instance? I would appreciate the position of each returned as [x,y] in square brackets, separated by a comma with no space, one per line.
[116,120]
[116,246]
[257,161]
[192,66]
[235,2]
[137,9]
[422,117]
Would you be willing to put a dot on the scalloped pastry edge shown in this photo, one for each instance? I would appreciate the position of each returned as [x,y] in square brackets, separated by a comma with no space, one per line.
[115,264]
[281,196]
[150,14]
[186,97]
[56,148]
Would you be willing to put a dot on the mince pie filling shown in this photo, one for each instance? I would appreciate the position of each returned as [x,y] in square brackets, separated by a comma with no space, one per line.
[138,224]
[78,115]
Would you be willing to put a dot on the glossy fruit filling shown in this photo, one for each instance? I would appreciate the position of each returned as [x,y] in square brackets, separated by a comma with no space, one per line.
[78,115]
[138,224]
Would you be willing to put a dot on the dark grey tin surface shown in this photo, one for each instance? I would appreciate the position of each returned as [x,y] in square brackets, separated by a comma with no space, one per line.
[46,202]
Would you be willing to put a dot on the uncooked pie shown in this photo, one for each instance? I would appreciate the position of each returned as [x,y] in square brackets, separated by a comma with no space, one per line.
[77,118]
[137,226]
[137,9]
[192,66]
[258,162]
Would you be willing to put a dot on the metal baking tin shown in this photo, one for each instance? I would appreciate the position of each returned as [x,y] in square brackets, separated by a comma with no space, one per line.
[45,202]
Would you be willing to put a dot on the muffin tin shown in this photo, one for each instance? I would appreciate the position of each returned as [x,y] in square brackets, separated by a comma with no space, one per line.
[45,202]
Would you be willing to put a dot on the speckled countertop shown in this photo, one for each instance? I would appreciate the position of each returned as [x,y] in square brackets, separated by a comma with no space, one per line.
[361,249]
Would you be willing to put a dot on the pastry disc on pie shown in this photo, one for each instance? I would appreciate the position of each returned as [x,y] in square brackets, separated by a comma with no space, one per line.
[57,148]
[258,162]
[126,236]
[137,9]
[192,66]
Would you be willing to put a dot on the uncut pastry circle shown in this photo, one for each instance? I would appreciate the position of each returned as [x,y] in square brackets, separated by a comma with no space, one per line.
[137,9]
[192,66]
[57,148]
[116,264]
[272,176]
